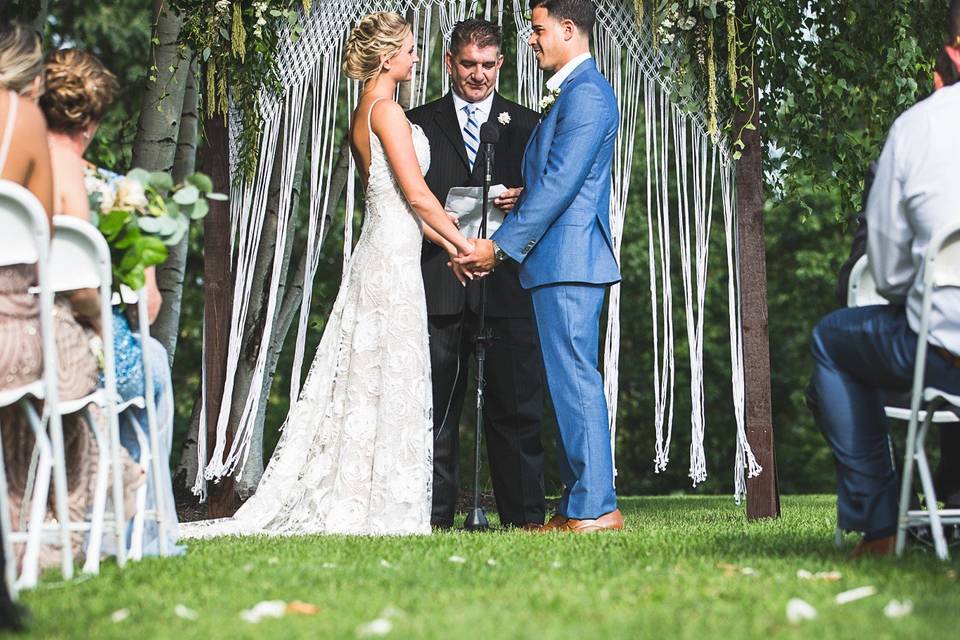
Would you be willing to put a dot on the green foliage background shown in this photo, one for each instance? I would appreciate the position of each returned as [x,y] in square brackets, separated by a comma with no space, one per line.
[833,78]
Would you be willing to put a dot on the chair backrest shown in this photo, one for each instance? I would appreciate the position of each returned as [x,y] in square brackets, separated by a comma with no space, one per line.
[26,231]
[79,256]
[862,288]
[943,258]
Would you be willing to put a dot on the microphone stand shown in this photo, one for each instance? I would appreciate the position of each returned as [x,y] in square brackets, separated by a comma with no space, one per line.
[477,520]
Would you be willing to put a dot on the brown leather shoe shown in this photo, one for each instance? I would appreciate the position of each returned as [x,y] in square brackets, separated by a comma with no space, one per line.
[532,526]
[874,548]
[612,521]
[555,523]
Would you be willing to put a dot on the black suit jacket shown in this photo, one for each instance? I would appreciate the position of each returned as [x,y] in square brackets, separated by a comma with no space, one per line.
[449,168]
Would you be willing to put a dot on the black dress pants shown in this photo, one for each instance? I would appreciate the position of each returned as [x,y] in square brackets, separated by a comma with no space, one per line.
[513,407]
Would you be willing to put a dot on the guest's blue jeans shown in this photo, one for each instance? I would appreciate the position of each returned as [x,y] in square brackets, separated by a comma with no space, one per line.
[859,354]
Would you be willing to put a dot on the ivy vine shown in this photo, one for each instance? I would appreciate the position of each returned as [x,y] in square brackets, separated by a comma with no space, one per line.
[238,41]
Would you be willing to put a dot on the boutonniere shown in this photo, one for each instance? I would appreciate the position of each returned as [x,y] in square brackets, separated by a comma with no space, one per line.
[504,118]
[546,102]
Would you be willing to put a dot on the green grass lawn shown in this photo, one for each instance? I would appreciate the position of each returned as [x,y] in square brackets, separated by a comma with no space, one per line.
[686,567]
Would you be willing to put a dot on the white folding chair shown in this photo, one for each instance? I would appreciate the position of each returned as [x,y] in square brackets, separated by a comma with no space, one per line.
[80,259]
[941,268]
[25,240]
[149,442]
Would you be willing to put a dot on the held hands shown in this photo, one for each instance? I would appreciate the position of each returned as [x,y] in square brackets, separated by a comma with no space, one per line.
[480,261]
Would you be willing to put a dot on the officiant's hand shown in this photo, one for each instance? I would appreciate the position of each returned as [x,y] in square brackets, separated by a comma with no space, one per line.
[507,200]
[481,261]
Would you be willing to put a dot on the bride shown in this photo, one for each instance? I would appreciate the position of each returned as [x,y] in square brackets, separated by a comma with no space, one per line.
[356,452]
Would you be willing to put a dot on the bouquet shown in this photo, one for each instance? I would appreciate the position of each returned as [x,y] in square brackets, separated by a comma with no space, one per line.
[141,214]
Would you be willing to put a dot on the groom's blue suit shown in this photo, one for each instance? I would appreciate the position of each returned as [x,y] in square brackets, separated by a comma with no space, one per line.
[559,233]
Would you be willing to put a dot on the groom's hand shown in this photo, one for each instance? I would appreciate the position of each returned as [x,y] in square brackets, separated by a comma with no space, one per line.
[481,261]
[507,200]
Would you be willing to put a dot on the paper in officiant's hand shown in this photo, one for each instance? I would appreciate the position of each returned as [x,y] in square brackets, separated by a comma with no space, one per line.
[467,204]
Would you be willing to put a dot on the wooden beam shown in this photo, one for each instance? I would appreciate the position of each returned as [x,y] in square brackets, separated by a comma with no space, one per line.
[218,300]
[763,492]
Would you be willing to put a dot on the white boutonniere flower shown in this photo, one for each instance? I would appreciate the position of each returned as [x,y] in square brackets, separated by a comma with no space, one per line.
[503,118]
[546,102]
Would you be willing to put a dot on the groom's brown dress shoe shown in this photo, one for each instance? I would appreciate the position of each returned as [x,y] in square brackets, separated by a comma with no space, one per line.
[532,526]
[554,524]
[874,548]
[612,521]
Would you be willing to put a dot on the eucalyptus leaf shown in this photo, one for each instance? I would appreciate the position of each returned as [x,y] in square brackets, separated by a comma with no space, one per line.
[199,210]
[201,181]
[161,181]
[140,175]
[150,224]
[220,197]
[187,195]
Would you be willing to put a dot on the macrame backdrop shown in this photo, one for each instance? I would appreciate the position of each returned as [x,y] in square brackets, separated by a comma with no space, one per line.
[675,144]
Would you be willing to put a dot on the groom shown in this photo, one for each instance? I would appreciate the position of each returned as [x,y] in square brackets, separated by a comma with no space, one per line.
[559,235]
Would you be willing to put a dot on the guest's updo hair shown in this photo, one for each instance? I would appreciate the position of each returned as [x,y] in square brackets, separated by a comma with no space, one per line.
[376,36]
[21,58]
[79,90]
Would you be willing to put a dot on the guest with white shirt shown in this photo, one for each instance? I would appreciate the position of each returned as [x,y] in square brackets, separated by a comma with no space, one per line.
[514,389]
[862,352]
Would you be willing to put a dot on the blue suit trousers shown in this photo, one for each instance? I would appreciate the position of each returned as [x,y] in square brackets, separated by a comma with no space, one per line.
[568,320]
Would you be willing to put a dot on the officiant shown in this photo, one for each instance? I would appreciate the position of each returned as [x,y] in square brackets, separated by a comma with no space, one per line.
[514,389]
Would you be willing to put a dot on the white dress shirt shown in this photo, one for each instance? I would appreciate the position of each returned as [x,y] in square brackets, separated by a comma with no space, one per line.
[917,192]
[481,115]
[557,79]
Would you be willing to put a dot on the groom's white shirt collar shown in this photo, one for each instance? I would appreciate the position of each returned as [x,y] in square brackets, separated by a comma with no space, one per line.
[554,82]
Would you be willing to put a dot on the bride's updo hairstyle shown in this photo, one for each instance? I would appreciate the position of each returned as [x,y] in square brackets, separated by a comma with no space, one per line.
[376,36]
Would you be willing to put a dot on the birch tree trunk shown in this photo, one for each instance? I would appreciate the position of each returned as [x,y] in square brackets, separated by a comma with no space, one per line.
[158,129]
[170,274]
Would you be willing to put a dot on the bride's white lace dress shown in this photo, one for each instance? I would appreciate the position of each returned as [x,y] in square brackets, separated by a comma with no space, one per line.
[356,452]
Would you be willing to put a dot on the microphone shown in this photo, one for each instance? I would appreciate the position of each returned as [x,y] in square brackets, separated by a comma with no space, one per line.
[489,136]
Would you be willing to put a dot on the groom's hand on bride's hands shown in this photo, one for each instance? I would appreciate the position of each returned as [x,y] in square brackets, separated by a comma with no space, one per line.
[481,261]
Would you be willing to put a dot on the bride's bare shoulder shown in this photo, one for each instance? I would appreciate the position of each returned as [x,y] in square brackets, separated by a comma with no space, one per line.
[388,118]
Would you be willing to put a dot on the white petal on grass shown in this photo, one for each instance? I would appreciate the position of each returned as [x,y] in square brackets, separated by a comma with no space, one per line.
[385,564]
[328,565]
[897,609]
[378,627]
[457,559]
[264,609]
[803,574]
[248,568]
[185,612]
[799,610]
[491,562]
[749,571]
[825,576]
[392,612]
[855,594]
[273,560]
[556,564]
[120,615]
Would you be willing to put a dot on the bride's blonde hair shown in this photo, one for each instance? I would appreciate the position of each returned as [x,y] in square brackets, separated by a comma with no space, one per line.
[377,36]
[21,58]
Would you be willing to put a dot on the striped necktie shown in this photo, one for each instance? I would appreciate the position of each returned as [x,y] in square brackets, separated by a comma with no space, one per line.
[471,134]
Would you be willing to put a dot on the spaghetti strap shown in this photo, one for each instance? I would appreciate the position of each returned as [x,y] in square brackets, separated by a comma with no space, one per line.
[370,117]
[12,101]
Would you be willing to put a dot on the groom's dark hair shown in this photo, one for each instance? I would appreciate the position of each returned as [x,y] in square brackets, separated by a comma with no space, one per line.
[582,13]
[482,33]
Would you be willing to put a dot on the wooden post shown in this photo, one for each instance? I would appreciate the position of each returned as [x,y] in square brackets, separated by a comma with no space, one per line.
[763,492]
[217,298]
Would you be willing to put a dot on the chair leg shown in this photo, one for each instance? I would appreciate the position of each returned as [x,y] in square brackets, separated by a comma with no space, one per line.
[119,518]
[61,496]
[6,529]
[926,479]
[906,485]
[38,505]
[156,472]
[136,541]
[92,563]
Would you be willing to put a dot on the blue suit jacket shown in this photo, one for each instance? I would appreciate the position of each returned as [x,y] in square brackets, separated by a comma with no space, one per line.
[560,228]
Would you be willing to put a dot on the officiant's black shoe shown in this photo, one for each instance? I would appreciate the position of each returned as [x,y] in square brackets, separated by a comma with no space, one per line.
[612,521]
[554,524]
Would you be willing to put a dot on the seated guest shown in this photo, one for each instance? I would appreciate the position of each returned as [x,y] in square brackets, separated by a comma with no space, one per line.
[79,90]
[860,353]
[26,161]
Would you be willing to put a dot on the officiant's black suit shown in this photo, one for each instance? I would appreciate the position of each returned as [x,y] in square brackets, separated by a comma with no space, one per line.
[514,392]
